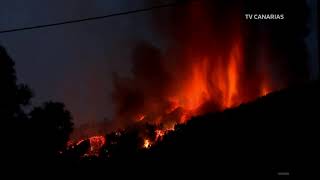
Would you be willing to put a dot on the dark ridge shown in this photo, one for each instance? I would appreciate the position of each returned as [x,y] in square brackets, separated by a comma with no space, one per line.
[277,132]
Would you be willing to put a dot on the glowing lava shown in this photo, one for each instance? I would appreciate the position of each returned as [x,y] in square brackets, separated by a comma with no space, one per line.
[140,117]
[147,143]
[95,142]
[160,134]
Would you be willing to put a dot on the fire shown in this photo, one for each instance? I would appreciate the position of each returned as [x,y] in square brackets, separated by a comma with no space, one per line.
[232,77]
[265,90]
[79,142]
[147,144]
[211,80]
[207,69]
[159,134]
[96,142]
[217,81]
[140,117]
[208,73]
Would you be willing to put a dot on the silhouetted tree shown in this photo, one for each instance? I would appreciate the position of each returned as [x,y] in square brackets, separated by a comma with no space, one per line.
[38,135]
[13,96]
[51,126]
[75,152]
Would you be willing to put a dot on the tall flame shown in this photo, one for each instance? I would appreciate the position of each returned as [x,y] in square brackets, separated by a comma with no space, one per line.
[211,80]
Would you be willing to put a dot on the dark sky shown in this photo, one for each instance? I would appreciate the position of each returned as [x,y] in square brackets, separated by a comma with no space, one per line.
[74,63]
[311,40]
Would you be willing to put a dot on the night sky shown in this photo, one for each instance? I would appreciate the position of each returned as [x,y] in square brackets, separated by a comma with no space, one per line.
[74,63]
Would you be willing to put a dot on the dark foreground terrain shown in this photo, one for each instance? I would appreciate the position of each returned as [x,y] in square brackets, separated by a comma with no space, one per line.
[274,136]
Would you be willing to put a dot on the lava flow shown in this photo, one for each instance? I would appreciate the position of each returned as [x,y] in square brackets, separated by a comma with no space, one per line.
[95,143]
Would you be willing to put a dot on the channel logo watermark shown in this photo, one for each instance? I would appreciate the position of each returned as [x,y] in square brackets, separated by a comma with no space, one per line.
[264,16]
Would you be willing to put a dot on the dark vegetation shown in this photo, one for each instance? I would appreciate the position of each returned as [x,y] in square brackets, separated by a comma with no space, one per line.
[36,135]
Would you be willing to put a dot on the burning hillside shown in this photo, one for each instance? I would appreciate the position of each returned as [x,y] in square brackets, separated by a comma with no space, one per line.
[207,70]
[91,145]
[213,60]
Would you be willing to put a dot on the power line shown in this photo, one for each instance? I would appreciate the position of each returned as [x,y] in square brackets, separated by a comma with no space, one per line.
[90,19]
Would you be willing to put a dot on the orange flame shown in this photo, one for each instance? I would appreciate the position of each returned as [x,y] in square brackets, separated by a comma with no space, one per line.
[147,144]
[205,85]
[210,80]
[140,117]
[264,90]
[96,143]
[217,80]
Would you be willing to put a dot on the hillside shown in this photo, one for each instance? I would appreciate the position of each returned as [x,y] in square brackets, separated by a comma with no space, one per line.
[275,133]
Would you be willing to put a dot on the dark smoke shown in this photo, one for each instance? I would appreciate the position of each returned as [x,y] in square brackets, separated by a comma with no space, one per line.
[149,87]
[93,128]
[198,28]
[157,74]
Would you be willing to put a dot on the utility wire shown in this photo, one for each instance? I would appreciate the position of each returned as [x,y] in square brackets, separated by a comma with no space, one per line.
[91,18]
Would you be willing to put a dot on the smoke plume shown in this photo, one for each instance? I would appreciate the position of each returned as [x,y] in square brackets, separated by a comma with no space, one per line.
[214,60]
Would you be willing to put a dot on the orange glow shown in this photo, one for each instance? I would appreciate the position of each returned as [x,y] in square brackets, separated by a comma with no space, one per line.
[264,89]
[96,143]
[140,117]
[233,74]
[147,144]
[79,142]
[211,80]
[209,73]
[160,134]
[197,91]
